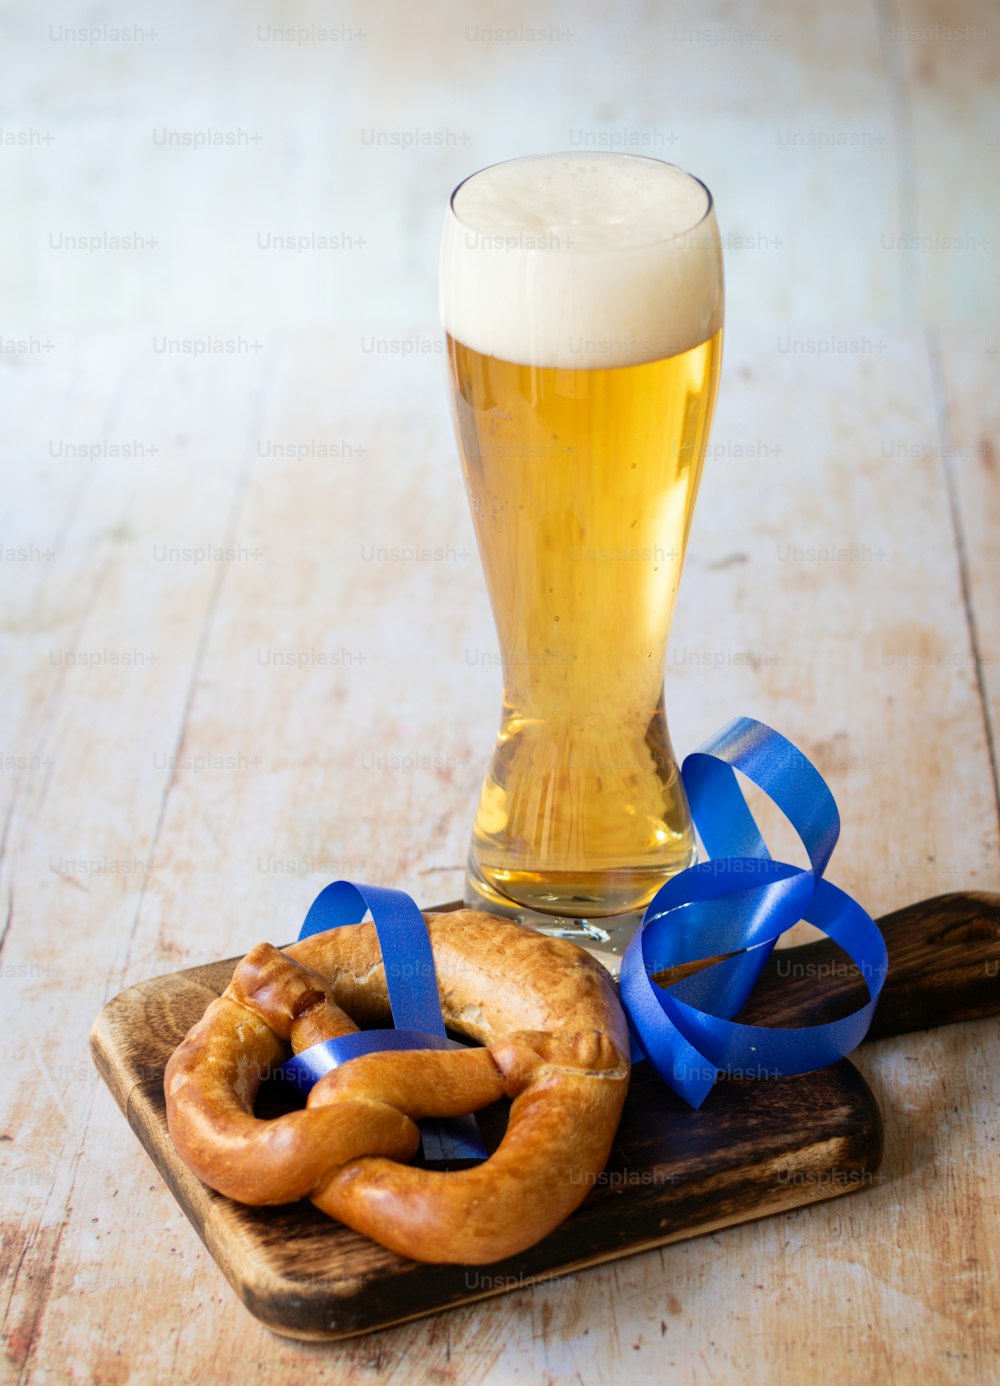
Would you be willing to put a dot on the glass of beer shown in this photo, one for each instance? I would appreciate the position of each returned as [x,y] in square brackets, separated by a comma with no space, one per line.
[582,300]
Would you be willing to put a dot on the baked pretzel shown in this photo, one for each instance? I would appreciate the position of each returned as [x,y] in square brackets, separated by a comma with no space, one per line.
[557,1045]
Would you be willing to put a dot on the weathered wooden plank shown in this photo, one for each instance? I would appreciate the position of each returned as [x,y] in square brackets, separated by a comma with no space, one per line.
[967,363]
[107,671]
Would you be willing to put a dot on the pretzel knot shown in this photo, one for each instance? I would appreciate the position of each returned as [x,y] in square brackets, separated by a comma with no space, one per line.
[556,1045]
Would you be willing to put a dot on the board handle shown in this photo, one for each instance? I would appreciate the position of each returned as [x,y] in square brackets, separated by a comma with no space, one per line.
[944,966]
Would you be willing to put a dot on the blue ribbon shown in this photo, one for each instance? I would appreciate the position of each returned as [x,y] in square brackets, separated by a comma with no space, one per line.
[738,902]
[411,980]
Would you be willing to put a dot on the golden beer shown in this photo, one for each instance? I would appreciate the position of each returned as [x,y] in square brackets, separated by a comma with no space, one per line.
[582,480]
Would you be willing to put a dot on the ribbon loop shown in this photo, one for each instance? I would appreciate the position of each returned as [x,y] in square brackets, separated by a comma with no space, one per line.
[411,981]
[739,902]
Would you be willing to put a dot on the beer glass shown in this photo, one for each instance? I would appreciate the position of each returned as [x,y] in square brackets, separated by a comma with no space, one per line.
[582,301]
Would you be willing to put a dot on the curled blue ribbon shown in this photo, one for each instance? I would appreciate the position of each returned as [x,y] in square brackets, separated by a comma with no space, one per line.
[411,980]
[739,902]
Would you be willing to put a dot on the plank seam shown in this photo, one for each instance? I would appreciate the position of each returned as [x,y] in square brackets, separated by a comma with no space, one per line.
[939,390]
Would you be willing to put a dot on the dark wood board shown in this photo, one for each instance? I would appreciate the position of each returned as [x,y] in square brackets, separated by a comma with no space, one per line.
[753,1149]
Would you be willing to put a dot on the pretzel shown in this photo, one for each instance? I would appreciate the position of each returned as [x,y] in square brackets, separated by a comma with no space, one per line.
[557,1045]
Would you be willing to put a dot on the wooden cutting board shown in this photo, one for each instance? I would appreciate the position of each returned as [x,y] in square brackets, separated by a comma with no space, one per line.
[753,1149]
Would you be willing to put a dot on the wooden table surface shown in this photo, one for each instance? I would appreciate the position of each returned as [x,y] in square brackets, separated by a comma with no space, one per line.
[247,646]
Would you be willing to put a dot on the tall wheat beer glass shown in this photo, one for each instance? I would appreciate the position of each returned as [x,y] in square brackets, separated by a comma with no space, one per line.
[582,299]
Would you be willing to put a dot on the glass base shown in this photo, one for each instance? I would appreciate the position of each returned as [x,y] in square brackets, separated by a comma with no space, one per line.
[605,937]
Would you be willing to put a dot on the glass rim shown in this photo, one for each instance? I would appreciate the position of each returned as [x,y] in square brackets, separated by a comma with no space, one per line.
[594,153]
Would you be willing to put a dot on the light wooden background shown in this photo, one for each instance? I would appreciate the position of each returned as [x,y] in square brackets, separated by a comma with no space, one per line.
[172,793]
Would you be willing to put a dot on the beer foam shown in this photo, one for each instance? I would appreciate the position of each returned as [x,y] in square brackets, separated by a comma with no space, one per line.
[581,261]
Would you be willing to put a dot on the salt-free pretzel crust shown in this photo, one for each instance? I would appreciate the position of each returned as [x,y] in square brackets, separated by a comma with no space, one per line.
[557,1045]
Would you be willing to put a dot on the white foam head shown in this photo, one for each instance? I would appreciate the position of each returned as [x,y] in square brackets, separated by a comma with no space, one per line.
[581,260]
